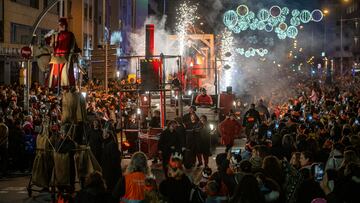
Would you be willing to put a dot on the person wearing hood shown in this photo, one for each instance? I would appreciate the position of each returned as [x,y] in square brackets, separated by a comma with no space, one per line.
[169,143]
[111,159]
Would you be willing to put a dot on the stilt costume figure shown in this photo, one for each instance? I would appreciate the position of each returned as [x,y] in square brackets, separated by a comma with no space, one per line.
[65,52]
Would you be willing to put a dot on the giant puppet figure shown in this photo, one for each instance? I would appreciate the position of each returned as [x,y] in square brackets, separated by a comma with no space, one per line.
[64,53]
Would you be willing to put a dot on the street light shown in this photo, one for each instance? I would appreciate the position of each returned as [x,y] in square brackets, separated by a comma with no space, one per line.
[326,12]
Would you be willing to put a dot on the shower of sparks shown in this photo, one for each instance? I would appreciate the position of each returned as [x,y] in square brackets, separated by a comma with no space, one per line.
[186,16]
[227,48]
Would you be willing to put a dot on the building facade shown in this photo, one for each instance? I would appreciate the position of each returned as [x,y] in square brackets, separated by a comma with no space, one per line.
[17,18]
[343,34]
[16,21]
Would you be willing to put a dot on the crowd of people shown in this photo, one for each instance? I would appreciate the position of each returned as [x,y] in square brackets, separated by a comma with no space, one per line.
[305,149]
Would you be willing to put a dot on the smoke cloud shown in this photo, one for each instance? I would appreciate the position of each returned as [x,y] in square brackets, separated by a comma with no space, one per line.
[163,43]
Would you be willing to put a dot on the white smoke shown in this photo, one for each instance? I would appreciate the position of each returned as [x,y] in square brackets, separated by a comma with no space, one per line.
[163,43]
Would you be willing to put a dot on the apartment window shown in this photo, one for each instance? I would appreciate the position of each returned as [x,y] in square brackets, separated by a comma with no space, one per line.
[85,43]
[20,34]
[90,42]
[86,11]
[55,10]
[31,3]
[90,12]
[1,20]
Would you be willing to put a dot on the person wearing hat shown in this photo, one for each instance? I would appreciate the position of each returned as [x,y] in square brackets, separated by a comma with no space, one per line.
[64,45]
[203,99]
[177,187]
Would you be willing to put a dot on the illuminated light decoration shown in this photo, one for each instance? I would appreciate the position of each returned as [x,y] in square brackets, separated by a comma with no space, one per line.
[243,25]
[252,39]
[263,15]
[186,16]
[242,10]
[305,16]
[295,21]
[250,16]
[241,51]
[261,26]
[285,11]
[269,27]
[295,13]
[253,26]
[251,52]
[282,35]
[281,19]
[275,11]
[273,21]
[283,26]
[292,32]
[317,15]
[269,41]
[236,29]
[277,30]
[230,18]
[227,46]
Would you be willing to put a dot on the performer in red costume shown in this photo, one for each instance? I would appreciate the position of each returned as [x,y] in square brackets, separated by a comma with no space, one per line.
[65,52]
[203,99]
[229,128]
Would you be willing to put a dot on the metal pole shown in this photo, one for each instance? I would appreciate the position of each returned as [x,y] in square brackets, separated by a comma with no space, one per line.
[105,45]
[61,8]
[27,86]
[341,45]
[216,80]
[139,120]
[106,66]
[182,88]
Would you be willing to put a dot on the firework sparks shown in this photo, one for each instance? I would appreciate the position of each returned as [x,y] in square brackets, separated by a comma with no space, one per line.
[227,47]
[186,16]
